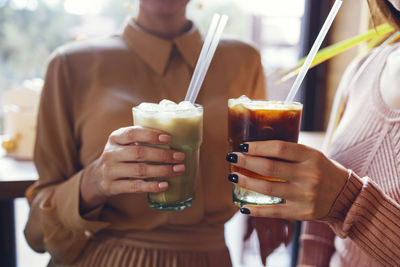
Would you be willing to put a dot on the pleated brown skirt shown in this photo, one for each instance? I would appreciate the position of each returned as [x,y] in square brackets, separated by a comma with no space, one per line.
[166,247]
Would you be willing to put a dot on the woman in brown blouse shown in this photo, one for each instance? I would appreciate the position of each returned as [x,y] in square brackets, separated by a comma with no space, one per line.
[82,212]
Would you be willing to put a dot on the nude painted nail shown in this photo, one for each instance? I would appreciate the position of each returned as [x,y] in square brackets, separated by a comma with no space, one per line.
[178,156]
[164,138]
[163,185]
[179,168]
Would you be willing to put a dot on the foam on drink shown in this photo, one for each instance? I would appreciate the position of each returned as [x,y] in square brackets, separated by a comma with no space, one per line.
[262,104]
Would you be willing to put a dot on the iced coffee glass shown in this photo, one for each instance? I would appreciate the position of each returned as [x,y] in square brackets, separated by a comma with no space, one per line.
[184,122]
[259,120]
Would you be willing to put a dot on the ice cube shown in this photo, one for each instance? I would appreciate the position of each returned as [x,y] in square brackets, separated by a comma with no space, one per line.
[240,100]
[148,106]
[244,99]
[165,117]
[185,105]
[167,105]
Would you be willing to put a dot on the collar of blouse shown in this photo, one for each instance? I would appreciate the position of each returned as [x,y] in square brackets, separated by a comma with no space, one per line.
[155,51]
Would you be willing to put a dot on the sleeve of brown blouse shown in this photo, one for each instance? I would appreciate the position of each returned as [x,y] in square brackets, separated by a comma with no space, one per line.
[370,218]
[55,223]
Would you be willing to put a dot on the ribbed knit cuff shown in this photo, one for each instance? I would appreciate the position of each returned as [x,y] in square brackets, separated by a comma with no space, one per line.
[343,203]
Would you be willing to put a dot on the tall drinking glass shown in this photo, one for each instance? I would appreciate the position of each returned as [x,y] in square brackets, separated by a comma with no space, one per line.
[259,120]
[184,122]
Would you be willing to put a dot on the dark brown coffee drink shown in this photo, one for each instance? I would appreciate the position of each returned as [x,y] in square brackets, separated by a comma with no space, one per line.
[260,121]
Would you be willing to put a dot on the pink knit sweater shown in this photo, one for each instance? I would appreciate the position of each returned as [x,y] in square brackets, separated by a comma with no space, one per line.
[363,226]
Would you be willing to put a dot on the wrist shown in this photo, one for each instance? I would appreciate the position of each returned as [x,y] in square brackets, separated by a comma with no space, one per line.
[90,196]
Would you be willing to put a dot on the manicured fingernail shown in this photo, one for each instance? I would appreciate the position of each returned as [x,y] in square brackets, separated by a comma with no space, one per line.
[245,211]
[244,147]
[163,185]
[233,158]
[164,138]
[178,156]
[178,168]
[233,178]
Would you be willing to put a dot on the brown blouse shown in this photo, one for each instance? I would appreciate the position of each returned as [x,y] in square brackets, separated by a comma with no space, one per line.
[89,90]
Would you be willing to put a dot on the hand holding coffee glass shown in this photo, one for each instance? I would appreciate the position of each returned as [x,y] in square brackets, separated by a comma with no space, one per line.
[184,122]
[270,120]
[260,120]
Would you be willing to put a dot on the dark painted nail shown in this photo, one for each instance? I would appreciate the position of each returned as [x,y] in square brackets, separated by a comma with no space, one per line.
[233,158]
[233,178]
[244,147]
[245,211]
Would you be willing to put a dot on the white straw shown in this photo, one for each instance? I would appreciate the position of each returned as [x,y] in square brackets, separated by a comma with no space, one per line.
[314,50]
[204,51]
[210,54]
[210,44]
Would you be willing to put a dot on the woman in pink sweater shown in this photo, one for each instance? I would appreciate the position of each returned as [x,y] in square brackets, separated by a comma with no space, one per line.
[350,196]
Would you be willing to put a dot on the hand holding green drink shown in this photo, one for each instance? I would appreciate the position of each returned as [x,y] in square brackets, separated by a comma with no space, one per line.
[184,123]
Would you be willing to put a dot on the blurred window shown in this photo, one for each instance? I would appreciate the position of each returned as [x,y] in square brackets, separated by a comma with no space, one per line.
[31,29]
